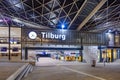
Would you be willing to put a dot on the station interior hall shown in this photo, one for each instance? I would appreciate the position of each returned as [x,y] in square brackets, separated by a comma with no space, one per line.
[59,39]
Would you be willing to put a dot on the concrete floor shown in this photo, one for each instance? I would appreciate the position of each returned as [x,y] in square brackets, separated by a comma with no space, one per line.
[8,68]
[49,69]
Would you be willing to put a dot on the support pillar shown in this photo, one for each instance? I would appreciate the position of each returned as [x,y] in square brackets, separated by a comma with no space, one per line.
[26,53]
[9,31]
[81,54]
[101,60]
[112,56]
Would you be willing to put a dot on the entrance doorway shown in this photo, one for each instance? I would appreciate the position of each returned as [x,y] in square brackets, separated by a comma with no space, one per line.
[60,54]
[110,55]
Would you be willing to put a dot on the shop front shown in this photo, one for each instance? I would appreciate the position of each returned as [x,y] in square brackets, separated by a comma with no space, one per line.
[110,54]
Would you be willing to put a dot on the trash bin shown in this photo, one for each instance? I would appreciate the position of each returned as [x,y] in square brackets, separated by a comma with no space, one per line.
[79,58]
[93,63]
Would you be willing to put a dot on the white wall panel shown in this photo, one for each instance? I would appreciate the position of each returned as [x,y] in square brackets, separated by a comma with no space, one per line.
[15,32]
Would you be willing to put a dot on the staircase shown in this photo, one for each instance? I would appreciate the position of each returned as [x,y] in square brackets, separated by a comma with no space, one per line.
[21,72]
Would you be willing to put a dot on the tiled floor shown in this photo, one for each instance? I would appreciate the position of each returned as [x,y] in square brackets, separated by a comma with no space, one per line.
[49,69]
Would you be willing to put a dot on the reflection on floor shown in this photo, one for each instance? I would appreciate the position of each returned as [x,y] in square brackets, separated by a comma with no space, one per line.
[51,69]
[45,62]
[52,62]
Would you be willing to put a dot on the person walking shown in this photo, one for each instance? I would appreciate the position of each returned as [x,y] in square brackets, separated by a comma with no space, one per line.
[37,57]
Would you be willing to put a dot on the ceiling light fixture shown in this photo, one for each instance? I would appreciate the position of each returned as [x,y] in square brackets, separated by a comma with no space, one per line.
[63,26]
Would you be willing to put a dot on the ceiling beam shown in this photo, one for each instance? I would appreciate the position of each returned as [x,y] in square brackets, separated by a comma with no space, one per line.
[27,23]
[112,26]
[77,13]
[91,14]
[4,19]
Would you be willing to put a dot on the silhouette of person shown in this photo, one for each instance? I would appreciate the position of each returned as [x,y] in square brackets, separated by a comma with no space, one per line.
[37,56]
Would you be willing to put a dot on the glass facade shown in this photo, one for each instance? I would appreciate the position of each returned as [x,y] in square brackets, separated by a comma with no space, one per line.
[14,51]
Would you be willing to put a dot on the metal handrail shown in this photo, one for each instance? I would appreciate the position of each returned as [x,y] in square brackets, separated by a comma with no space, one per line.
[29,70]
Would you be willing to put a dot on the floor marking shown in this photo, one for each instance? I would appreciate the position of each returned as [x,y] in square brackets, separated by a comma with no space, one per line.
[100,78]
